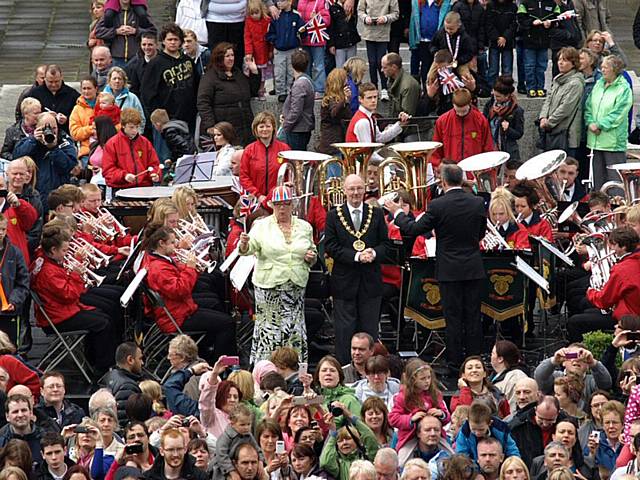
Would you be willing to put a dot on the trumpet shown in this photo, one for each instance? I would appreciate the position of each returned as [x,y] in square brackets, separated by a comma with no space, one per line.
[102,232]
[90,278]
[202,265]
[492,238]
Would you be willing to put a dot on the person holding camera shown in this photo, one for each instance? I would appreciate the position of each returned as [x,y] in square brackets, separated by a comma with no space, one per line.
[88,450]
[137,456]
[353,441]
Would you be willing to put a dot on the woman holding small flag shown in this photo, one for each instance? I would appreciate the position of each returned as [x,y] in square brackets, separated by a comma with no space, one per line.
[284,250]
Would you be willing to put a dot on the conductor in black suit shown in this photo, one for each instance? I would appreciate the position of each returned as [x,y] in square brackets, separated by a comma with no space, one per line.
[459,220]
[356,238]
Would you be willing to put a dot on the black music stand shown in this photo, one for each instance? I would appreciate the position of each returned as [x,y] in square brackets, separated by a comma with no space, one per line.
[194,168]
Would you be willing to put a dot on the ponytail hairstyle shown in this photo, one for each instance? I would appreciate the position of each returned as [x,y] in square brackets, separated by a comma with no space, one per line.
[509,352]
[53,236]
[154,234]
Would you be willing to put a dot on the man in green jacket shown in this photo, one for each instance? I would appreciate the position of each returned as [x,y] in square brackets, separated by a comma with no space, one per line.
[403,89]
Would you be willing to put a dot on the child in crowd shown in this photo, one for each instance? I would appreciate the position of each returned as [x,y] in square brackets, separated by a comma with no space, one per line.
[343,33]
[355,68]
[106,105]
[501,25]
[419,396]
[283,35]
[425,22]
[472,15]
[377,16]
[314,32]
[534,21]
[174,132]
[256,47]
[238,430]
[299,118]
[112,9]
[506,117]
[456,41]
[482,424]
[458,417]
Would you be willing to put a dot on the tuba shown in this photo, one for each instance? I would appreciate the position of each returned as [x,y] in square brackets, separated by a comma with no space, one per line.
[299,168]
[484,167]
[601,257]
[541,170]
[413,160]
[630,184]
[355,158]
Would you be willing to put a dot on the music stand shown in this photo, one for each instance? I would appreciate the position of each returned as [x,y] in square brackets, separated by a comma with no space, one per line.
[194,168]
[552,248]
[133,254]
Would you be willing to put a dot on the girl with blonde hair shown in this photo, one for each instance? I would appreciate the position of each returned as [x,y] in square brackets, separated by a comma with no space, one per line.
[356,68]
[502,216]
[513,468]
[334,111]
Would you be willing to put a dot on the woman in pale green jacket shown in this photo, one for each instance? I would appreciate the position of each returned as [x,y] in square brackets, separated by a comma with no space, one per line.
[606,117]
[284,250]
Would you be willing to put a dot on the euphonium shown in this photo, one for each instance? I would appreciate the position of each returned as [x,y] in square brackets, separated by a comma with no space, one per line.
[601,259]
[299,168]
[484,167]
[413,159]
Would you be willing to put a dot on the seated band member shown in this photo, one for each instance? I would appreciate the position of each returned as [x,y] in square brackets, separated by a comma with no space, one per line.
[65,300]
[573,190]
[501,215]
[621,292]
[526,203]
[363,126]
[129,159]
[92,204]
[175,281]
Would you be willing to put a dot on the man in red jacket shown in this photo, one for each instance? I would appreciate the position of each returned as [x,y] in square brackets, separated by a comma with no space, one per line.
[463,131]
[621,292]
[129,159]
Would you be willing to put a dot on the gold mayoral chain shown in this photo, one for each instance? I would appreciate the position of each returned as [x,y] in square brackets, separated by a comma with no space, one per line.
[358,245]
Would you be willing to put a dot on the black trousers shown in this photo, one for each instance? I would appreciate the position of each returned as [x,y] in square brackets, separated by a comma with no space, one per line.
[219,327]
[228,32]
[361,314]
[461,308]
[592,319]
[100,344]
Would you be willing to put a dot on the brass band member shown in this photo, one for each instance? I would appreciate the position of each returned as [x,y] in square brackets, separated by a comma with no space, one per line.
[501,215]
[63,295]
[284,250]
[193,311]
[526,204]
[356,238]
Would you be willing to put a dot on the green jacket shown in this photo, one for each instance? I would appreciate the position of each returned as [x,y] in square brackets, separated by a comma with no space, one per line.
[563,106]
[342,394]
[337,464]
[404,93]
[608,107]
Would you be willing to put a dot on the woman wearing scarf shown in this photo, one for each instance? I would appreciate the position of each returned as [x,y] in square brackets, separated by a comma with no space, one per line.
[506,117]
[561,114]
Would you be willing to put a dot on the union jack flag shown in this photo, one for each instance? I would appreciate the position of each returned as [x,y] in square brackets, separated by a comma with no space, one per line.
[449,81]
[248,205]
[317,29]
[236,187]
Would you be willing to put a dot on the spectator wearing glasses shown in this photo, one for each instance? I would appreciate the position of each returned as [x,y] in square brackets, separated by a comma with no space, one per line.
[54,403]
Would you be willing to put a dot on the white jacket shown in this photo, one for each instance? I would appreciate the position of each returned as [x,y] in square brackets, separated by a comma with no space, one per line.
[226,11]
[188,17]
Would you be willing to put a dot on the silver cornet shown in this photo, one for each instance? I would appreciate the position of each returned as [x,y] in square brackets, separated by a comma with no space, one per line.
[106,216]
[90,279]
[102,232]
[492,238]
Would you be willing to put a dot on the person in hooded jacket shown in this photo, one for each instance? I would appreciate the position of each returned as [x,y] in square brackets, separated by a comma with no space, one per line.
[500,33]
[175,133]
[200,54]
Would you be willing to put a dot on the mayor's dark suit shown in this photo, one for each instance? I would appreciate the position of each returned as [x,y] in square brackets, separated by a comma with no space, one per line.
[356,287]
[460,221]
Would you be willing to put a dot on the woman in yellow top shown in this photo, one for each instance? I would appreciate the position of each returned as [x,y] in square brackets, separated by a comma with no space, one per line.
[284,249]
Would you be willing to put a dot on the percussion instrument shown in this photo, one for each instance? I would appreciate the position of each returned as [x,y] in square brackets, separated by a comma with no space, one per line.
[484,167]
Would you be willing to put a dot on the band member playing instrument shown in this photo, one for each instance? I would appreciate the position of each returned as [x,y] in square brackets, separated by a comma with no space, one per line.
[186,201]
[501,215]
[460,222]
[526,204]
[621,292]
[463,130]
[63,294]
[164,212]
[356,238]
[363,126]
[193,311]
[509,179]
[569,171]
[92,204]
[129,159]
[633,218]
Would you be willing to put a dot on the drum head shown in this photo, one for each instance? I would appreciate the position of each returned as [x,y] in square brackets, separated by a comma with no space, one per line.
[303,155]
[216,183]
[416,146]
[541,165]
[620,167]
[357,145]
[483,161]
[144,193]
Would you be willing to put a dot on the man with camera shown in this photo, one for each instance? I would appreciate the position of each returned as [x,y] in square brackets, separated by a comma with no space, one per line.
[137,456]
[53,151]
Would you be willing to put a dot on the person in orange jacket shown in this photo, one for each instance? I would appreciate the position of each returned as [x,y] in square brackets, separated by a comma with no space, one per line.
[501,215]
[192,311]
[526,204]
[129,159]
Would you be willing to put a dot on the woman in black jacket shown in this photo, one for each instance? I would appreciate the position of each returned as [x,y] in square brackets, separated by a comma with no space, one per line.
[225,93]
[506,117]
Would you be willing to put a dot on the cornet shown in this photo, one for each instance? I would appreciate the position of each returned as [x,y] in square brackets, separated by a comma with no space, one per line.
[202,265]
[81,244]
[90,279]
[102,232]
[107,218]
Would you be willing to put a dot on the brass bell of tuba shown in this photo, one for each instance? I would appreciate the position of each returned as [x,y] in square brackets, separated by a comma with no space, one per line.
[630,184]
[484,167]
[299,168]
[413,160]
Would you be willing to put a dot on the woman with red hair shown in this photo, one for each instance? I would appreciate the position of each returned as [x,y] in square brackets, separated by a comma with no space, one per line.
[217,399]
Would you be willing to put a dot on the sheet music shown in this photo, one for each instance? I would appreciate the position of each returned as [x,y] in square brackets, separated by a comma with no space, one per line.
[203,170]
[229,260]
[528,270]
[430,246]
[241,271]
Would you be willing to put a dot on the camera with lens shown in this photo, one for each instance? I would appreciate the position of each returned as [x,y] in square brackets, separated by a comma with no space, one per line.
[335,410]
[48,134]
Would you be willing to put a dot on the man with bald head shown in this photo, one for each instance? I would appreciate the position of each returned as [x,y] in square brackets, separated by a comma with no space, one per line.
[356,238]
[101,61]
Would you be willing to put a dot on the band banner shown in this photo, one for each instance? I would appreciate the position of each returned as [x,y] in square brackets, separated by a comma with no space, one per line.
[548,271]
[503,293]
